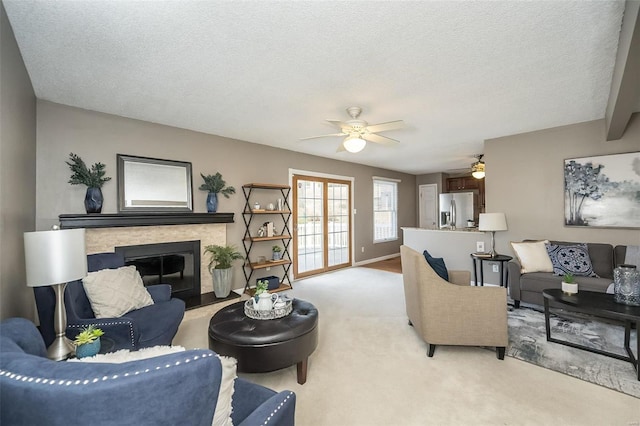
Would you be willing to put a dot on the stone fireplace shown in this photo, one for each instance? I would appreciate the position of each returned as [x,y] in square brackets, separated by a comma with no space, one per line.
[110,233]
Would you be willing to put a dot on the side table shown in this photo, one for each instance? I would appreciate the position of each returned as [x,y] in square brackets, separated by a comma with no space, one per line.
[479,261]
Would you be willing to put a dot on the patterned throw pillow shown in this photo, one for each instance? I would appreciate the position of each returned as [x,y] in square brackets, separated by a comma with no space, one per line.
[572,259]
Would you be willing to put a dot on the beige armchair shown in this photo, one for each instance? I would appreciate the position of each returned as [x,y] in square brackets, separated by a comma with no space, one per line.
[446,314]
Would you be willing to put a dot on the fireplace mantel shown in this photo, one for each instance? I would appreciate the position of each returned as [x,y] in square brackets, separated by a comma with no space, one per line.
[97,220]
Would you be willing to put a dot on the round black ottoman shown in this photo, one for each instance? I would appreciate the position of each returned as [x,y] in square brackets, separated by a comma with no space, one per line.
[266,345]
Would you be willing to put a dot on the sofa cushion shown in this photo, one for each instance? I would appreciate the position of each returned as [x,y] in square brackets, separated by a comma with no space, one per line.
[601,256]
[538,281]
[532,256]
[572,259]
[114,292]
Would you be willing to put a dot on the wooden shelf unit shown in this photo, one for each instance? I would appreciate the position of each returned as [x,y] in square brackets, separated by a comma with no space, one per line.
[283,216]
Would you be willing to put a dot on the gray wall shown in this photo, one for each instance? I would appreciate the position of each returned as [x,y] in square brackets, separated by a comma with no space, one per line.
[17,173]
[525,180]
[98,137]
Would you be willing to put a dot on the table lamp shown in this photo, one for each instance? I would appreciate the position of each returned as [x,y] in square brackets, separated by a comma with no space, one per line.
[492,222]
[53,258]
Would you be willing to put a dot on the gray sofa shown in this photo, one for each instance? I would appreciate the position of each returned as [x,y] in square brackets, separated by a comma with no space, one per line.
[528,287]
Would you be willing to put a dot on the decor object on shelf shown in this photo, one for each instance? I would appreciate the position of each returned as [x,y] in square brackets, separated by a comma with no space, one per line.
[54,258]
[215,184]
[569,284]
[359,132]
[477,168]
[626,287]
[272,281]
[153,185]
[601,191]
[222,258]
[88,341]
[93,178]
[492,222]
[276,252]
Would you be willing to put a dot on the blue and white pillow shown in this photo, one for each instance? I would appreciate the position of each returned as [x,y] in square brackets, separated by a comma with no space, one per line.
[573,259]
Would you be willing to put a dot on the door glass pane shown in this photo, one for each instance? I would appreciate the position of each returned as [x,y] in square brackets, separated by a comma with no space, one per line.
[338,223]
[310,226]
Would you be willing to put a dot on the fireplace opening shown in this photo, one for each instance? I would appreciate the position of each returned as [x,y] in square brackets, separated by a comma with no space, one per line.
[176,263]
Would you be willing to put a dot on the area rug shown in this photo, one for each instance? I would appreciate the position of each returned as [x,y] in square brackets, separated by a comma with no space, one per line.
[527,342]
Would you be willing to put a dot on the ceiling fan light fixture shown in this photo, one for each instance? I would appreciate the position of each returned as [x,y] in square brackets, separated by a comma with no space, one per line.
[354,143]
[477,168]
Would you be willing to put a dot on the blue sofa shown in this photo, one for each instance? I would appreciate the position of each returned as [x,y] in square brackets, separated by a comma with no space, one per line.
[176,389]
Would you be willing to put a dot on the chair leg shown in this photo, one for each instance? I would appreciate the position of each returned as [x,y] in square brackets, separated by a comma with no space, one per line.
[431,350]
[500,352]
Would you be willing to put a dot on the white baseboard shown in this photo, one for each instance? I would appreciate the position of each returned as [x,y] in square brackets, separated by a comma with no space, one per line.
[377,259]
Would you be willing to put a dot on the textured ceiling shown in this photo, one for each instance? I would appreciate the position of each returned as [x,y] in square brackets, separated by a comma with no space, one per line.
[270,72]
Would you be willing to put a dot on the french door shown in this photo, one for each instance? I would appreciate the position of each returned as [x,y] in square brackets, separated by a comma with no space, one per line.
[322,225]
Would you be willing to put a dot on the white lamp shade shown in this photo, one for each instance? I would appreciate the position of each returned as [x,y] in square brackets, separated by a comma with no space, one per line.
[55,257]
[492,222]
[354,143]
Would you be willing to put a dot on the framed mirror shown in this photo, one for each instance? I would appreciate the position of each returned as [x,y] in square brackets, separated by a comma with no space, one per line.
[153,185]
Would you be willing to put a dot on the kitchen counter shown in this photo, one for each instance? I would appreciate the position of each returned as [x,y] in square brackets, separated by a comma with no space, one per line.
[453,246]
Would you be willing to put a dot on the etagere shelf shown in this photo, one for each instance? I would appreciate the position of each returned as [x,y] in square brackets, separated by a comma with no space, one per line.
[284,214]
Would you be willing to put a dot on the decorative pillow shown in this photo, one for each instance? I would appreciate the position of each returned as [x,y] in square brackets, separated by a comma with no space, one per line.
[437,264]
[572,259]
[114,292]
[533,256]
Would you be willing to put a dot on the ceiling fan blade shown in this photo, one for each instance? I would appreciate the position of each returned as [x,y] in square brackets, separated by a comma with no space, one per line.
[341,148]
[323,136]
[383,127]
[383,140]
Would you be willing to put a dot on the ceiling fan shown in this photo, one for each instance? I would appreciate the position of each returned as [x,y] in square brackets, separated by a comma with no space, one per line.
[358,132]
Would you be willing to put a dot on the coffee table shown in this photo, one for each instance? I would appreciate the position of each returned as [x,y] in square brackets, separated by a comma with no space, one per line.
[600,305]
[266,345]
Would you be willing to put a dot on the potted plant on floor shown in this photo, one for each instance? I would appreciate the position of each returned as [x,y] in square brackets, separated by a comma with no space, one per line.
[215,184]
[569,284]
[221,258]
[93,178]
[88,341]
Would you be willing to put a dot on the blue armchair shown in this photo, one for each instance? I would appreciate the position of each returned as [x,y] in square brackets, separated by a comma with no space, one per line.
[150,326]
[176,389]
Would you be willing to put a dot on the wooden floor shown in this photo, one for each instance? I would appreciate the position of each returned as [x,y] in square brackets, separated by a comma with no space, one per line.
[390,265]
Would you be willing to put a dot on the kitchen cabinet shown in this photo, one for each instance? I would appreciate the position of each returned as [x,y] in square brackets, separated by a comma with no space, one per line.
[468,183]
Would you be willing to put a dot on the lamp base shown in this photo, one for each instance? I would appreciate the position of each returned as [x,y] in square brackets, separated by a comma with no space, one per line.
[60,349]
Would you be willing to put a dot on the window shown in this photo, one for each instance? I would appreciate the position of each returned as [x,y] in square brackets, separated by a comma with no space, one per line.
[385,210]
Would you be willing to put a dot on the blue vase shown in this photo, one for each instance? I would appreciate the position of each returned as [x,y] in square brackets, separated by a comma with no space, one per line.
[88,349]
[212,202]
[93,200]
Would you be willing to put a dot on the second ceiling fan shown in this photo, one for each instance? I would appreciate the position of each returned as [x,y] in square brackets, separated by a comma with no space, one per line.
[359,132]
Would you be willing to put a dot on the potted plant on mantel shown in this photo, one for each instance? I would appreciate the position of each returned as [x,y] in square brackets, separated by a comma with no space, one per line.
[88,341]
[93,178]
[215,184]
[220,267]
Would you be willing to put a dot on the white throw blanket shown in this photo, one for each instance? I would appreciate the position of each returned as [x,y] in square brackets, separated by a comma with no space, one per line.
[632,257]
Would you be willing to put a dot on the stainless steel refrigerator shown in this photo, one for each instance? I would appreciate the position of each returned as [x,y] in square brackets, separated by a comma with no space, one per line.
[456,208]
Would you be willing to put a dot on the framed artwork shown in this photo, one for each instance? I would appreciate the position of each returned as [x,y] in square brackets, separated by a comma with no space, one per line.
[602,191]
[153,185]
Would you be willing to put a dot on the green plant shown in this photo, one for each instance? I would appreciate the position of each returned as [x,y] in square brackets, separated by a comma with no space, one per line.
[88,335]
[215,184]
[569,278]
[261,287]
[221,256]
[276,249]
[81,175]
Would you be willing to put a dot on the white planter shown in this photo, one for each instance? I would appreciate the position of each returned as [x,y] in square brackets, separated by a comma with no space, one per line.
[222,279]
[569,288]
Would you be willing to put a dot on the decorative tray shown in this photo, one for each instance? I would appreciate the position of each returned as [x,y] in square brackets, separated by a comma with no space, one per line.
[274,313]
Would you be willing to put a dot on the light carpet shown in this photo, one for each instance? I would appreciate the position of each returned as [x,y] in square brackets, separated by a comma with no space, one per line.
[371,368]
[528,342]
